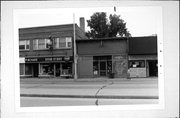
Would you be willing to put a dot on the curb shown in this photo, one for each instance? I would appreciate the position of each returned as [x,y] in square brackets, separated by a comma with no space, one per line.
[85,79]
[89,96]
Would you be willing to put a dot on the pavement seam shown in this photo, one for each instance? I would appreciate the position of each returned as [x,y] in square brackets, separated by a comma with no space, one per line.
[97,98]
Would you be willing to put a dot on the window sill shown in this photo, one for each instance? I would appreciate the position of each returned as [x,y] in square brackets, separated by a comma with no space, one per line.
[53,49]
[24,50]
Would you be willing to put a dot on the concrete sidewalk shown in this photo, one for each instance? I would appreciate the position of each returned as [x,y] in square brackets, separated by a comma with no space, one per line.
[100,79]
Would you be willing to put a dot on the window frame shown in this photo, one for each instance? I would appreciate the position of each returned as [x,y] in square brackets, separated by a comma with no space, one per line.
[27,42]
[67,40]
[37,44]
[131,61]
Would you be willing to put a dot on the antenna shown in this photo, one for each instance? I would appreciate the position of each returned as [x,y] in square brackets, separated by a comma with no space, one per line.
[114,9]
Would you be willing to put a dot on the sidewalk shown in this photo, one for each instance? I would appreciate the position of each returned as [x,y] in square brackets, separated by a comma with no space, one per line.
[100,79]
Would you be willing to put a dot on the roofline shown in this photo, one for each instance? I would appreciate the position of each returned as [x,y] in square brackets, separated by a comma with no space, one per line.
[113,38]
[47,26]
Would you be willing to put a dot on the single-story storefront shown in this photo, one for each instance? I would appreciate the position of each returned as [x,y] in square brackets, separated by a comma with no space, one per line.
[142,56]
[102,57]
[46,66]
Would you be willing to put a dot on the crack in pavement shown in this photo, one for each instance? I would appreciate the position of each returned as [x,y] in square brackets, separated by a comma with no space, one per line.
[97,99]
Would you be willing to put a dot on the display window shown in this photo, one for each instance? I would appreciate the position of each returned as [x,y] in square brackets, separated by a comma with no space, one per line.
[28,69]
[137,64]
[21,69]
[66,69]
[102,65]
[46,69]
[25,69]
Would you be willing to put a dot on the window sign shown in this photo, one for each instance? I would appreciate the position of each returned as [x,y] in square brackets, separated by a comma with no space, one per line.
[24,45]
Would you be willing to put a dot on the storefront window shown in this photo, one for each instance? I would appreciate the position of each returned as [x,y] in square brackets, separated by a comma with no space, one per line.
[24,45]
[95,68]
[46,69]
[66,69]
[136,64]
[109,67]
[28,69]
[22,66]
[102,65]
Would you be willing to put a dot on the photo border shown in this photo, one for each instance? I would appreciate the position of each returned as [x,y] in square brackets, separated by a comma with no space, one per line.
[160,105]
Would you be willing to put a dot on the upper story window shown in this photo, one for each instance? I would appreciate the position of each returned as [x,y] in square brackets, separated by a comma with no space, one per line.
[65,42]
[40,44]
[24,45]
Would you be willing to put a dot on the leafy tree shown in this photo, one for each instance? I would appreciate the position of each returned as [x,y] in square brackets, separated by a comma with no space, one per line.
[100,26]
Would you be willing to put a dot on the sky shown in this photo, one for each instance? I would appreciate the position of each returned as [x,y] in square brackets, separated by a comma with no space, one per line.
[140,21]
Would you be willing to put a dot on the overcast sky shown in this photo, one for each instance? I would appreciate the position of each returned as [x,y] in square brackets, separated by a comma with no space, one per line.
[141,21]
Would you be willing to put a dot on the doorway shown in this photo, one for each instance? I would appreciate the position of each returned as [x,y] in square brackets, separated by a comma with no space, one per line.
[153,69]
[35,69]
[103,68]
[58,70]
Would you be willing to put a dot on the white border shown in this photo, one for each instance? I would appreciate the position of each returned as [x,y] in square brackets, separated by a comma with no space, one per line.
[86,108]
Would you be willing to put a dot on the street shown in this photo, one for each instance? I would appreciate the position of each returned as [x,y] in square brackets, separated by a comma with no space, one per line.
[56,92]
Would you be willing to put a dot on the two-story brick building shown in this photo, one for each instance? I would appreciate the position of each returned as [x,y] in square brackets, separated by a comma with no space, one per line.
[47,51]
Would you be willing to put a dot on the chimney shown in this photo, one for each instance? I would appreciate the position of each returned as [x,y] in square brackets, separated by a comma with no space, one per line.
[82,23]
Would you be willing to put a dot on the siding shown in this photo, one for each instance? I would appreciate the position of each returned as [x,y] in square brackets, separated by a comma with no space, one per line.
[143,45]
[102,47]
[85,67]
[45,32]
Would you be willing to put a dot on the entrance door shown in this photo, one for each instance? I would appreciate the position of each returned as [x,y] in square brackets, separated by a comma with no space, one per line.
[35,70]
[57,70]
[102,68]
[153,70]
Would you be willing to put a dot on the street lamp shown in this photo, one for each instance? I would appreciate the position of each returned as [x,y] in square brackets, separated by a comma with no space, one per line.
[50,44]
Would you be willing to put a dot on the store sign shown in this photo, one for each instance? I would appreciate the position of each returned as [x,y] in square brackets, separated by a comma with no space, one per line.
[31,60]
[119,57]
[66,58]
[21,60]
[48,59]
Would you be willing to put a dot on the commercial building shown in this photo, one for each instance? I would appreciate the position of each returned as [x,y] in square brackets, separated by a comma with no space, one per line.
[142,56]
[101,57]
[47,51]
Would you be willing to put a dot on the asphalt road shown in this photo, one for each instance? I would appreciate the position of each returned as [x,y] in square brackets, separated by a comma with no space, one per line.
[77,93]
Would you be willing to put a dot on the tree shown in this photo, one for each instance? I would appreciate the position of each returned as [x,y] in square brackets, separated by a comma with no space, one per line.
[100,27]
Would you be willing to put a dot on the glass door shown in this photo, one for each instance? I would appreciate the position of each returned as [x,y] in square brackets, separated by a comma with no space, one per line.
[57,69]
[102,68]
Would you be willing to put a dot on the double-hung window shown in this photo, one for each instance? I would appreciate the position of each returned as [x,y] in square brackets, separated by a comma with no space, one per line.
[24,45]
[65,42]
[41,44]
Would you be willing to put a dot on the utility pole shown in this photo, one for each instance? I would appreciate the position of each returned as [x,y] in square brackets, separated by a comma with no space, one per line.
[74,48]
